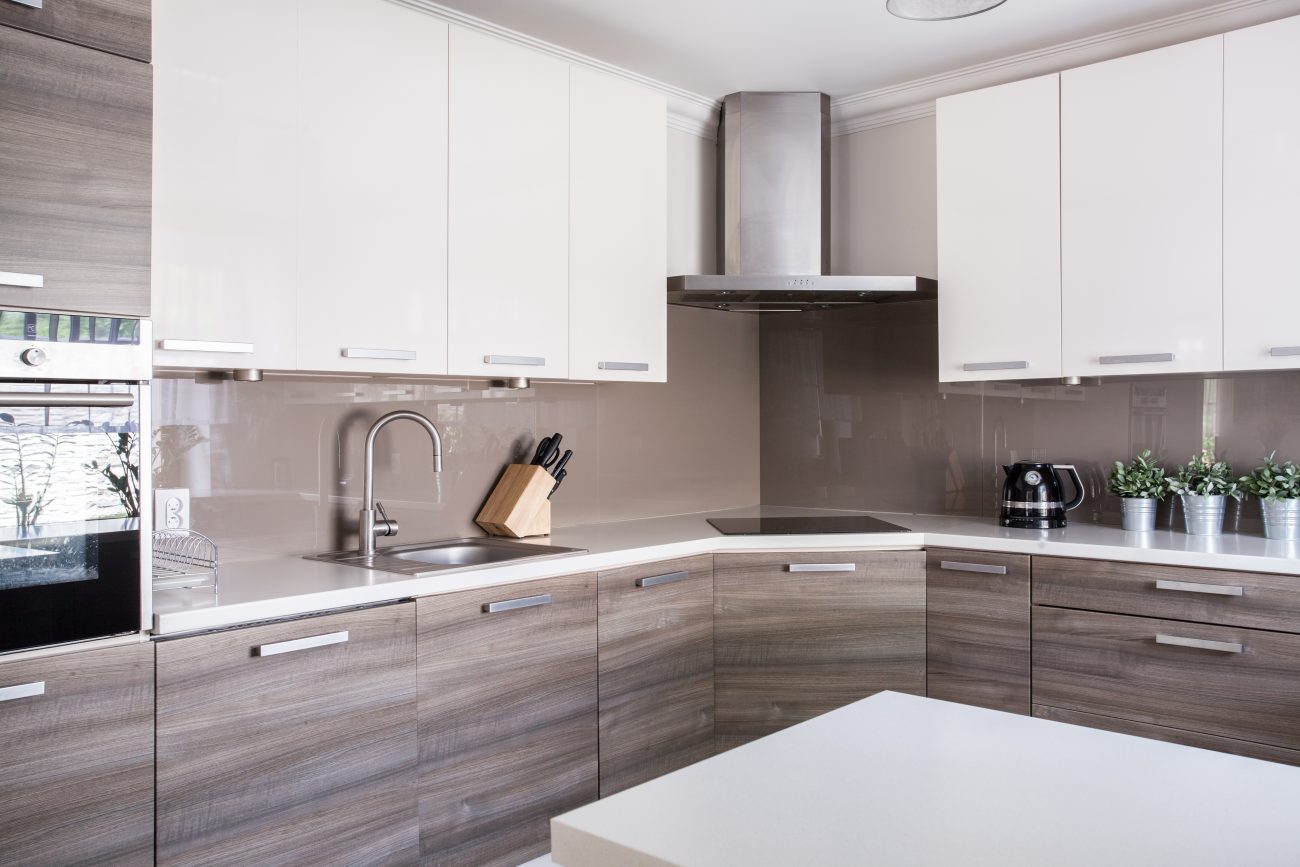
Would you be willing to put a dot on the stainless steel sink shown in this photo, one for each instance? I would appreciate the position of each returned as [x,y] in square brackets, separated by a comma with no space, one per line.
[428,558]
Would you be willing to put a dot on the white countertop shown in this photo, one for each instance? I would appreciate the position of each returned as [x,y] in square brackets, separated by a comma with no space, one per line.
[256,590]
[900,780]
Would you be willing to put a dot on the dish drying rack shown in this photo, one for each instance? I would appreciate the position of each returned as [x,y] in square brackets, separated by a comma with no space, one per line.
[183,560]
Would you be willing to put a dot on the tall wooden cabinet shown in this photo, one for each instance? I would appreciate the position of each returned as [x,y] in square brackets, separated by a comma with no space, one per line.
[799,634]
[114,26]
[77,758]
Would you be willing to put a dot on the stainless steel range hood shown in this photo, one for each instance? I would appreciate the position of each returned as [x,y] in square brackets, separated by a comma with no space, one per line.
[774,215]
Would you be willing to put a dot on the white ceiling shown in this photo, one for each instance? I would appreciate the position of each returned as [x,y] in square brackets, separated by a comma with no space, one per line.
[840,47]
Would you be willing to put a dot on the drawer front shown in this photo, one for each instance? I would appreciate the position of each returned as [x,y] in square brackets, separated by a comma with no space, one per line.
[76,758]
[117,26]
[977,628]
[291,743]
[1217,680]
[1255,601]
[1173,736]
[508,730]
[655,670]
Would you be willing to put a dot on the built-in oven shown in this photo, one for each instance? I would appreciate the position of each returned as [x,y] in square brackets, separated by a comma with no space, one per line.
[74,477]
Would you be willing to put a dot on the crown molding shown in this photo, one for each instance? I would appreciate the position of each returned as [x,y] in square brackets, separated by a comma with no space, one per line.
[687,112]
[914,99]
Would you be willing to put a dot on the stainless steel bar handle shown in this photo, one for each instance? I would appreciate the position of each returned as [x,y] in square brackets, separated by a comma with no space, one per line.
[516,604]
[986,568]
[35,4]
[22,690]
[43,398]
[301,644]
[1200,644]
[822,567]
[528,360]
[622,365]
[996,365]
[1152,358]
[668,578]
[14,278]
[1193,587]
[1284,351]
[226,346]
[385,354]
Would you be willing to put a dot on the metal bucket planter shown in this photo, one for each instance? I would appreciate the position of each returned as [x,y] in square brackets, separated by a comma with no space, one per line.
[1281,519]
[1138,514]
[1204,513]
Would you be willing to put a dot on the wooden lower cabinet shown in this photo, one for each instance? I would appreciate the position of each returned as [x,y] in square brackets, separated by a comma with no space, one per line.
[977,628]
[76,758]
[799,634]
[508,730]
[116,26]
[655,677]
[290,743]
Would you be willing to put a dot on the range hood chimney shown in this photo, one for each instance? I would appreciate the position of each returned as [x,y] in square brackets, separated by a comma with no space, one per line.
[774,215]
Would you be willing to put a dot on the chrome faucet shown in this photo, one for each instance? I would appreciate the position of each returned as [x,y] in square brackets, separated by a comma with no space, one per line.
[370,525]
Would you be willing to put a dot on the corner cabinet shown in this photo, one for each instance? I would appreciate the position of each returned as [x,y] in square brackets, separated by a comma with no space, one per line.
[999,165]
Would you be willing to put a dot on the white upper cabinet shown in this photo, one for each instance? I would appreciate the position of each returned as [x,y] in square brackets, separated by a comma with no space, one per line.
[1261,192]
[372,237]
[618,223]
[508,239]
[1142,213]
[999,225]
[225,187]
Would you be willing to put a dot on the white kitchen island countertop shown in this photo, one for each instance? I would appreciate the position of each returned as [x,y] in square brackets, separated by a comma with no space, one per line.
[253,590]
[899,780]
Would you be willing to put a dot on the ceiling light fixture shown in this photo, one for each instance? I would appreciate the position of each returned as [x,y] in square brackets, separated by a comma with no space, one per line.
[939,10]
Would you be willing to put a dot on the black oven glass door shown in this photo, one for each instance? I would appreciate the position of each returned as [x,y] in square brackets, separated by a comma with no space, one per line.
[70,544]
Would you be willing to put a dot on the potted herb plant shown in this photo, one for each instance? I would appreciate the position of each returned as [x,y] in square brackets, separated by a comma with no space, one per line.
[1278,488]
[1204,485]
[1140,485]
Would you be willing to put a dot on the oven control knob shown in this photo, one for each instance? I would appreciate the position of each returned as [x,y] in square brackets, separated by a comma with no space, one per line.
[33,357]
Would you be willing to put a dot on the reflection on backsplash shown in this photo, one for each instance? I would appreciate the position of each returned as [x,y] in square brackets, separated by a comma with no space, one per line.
[853,417]
[275,467]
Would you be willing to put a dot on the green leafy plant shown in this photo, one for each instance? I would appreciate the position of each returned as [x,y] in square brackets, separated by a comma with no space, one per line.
[1141,478]
[1273,481]
[124,477]
[1205,475]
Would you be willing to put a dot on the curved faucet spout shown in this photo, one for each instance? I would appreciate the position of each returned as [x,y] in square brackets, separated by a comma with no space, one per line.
[369,527]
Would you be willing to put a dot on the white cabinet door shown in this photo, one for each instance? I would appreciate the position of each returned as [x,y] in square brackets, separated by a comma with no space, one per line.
[508,239]
[1261,197]
[1142,213]
[372,237]
[618,230]
[224,159]
[999,171]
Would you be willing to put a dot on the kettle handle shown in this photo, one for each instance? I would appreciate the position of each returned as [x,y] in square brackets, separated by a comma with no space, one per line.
[1074,480]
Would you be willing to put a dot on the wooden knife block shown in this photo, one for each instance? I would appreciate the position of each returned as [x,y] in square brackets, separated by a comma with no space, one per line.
[518,506]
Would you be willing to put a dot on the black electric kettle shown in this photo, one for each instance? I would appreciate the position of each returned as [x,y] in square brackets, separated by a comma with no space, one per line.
[1032,498]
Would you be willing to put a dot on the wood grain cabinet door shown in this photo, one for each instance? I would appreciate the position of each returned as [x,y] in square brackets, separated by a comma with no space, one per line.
[116,26]
[656,670]
[291,743]
[977,628]
[800,634]
[76,758]
[507,718]
[74,177]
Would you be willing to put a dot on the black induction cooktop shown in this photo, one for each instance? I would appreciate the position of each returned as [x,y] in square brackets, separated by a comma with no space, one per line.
[803,524]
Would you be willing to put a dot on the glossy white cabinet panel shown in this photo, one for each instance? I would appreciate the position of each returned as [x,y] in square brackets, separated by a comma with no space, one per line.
[618,227]
[372,235]
[1261,192]
[508,233]
[1142,213]
[999,228]
[225,183]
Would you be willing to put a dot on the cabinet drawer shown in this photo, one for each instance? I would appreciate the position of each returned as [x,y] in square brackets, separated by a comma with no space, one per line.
[116,26]
[977,628]
[655,670]
[1255,601]
[1218,680]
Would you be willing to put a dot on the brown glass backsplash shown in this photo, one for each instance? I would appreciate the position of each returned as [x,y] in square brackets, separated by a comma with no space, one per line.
[853,417]
[275,467]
